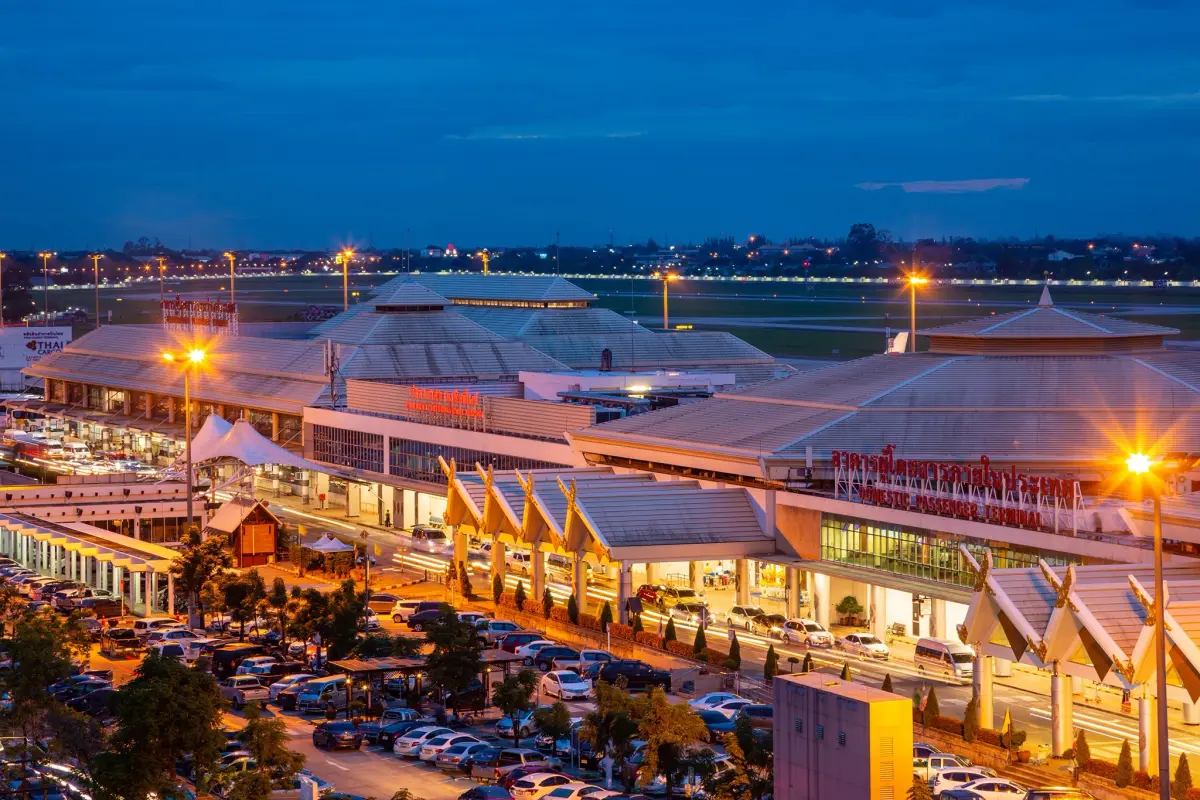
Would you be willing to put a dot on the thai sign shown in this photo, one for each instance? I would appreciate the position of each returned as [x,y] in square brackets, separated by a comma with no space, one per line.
[20,347]
[968,491]
[213,317]
[450,407]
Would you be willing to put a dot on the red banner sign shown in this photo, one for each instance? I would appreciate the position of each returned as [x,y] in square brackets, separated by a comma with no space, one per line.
[453,402]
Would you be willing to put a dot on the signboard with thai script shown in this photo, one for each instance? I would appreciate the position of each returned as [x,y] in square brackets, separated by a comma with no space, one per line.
[455,408]
[969,491]
[20,347]
[210,317]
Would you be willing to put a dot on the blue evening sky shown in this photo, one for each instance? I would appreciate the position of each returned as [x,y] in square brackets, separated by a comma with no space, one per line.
[259,123]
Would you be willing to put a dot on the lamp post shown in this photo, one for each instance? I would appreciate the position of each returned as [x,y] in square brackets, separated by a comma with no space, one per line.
[2,257]
[666,279]
[45,287]
[346,256]
[232,294]
[162,279]
[190,359]
[1140,465]
[95,257]
[914,281]
[366,582]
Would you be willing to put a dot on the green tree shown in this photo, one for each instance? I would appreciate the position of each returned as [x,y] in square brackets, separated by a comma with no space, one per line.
[456,659]
[199,561]
[1083,753]
[242,595]
[166,711]
[846,676]
[554,720]
[43,649]
[464,582]
[931,708]
[1124,775]
[606,616]
[281,602]
[807,664]
[513,696]
[573,610]
[920,789]
[266,738]
[700,642]
[547,602]
[1183,779]
[771,665]
[497,588]
[670,731]
[669,635]
[519,595]
[404,794]
[611,728]
[751,775]
[76,738]
[636,623]
[971,719]
[887,683]
[380,645]
[734,661]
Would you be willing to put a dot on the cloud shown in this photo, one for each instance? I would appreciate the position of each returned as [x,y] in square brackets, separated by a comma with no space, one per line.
[948,187]
[1168,97]
[509,136]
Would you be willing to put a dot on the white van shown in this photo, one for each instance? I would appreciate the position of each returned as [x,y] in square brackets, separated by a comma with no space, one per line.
[147,625]
[943,655]
[76,450]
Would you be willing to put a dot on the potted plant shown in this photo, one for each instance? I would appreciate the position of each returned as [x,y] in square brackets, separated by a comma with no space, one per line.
[850,609]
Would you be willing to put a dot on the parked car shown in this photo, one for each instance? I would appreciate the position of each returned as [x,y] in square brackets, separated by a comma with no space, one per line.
[146,625]
[286,681]
[711,700]
[173,650]
[423,619]
[383,602]
[333,734]
[177,635]
[926,767]
[525,724]
[743,616]
[670,595]
[537,786]
[493,630]
[546,658]
[495,764]
[512,641]
[100,607]
[695,613]
[986,789]
[438,744]
[288,698]
[923,750]
[582,660]
[864,645]
[227,657]
[454,757]
[717,723]
[403,609]
[730,708]
[240,690]
[485,793]
[323,693]
[253,661]
[392,731]
[955,777]
[565,685]
[410,744]
[119,642]
[1057,793]
[97,704]
[67,599]
[806,631]
[635,675]
[761,716]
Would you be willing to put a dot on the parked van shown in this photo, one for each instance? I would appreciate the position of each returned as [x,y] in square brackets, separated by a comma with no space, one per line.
[227,657]
[147,625]
[943,655]
[76,450]
[320,694]
[431,540]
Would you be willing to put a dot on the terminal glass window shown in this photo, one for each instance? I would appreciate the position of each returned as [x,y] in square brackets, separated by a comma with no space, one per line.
[916,552]
[419,460]
[346,448]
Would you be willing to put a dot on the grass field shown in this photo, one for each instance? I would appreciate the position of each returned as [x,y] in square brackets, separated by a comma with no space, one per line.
[740,307]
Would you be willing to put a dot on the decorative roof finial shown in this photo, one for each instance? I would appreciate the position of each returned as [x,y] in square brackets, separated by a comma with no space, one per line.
[1046,301]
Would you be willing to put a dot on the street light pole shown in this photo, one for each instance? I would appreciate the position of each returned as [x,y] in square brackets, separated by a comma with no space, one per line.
[162,279]
[346,254]
[96,277]
[45,288]
[232,293]
[190,359]
[2,257]
[367,582]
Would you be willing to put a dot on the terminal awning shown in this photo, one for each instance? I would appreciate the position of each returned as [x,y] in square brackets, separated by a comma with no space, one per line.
[122,551]
[1094,621]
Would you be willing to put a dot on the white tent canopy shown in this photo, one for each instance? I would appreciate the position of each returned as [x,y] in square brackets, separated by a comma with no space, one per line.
[214,428]
[242,443]
[328,544]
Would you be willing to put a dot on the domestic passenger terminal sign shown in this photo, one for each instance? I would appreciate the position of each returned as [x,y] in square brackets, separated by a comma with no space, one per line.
[968,491]
[20,347]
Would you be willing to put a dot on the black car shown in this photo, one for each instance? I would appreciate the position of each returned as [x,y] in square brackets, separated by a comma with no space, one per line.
[337,733]
[97,704]
[286,699]
[544,660]
[389,733]
[760,716]
[486,793]
[634,675]
[100,607]
[420,620]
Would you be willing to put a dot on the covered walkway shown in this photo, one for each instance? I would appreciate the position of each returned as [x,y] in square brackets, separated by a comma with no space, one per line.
[597,519]
[136,571]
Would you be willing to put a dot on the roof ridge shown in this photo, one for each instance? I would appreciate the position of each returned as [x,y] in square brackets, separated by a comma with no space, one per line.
[1075,316]
[1007,318]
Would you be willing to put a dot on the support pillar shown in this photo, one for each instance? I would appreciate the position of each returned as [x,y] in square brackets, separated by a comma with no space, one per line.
[1003,668]
[579,577]
[171,409]
[624,591]
[170,594]
[499,558]
[149,406]
[274,426]
[937,622]
[1061,717]
[651,573]
[460,547]
[878,611]
[1191,713]
[537,571]
[353,497]
[323,490]
[741,576]
[696,576]
[127,405]
[1146,751]
[409,507]
[151,592]
[793,592]
[135,586]
[820,599]
[983,691]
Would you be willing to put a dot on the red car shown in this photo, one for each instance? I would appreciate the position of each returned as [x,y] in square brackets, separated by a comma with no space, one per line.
[649,593]
[517,639]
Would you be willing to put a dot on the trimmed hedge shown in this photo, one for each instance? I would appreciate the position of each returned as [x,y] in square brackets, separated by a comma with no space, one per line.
[620,631]
[559,614]
[508,600]
[1100,767]
[589,621]
[679,648]
[650,639]
[989,736]
[948,724]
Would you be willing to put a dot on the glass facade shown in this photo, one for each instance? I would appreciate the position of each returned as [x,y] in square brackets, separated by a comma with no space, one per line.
[346,448]
[916,552]
[419,460]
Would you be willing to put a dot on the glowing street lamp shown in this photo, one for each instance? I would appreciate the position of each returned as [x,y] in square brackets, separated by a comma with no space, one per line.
[1141,466]
[666,279]
[188,360]
[162,278]
[346,255]
[914,281]
[2,257]
[95,257]
[45,287]
[232,296]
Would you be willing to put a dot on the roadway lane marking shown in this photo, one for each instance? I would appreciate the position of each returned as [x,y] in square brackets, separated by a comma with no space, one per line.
[335,764]
[1116,730]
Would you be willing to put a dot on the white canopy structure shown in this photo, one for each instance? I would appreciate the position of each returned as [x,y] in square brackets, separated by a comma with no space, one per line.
[213,429]
[328,544]
[242,443]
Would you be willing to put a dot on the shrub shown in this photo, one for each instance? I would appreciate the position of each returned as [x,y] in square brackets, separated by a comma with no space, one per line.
[988,736]
[464,582]
[1100,767]
[507,600]
[700,642]
[520,596]
[620,631]
[887,683]
[948,724]
[679,649]
[931,707]
[589,621]
[734,661]
[547,602]
[1183,779]
[713,656]
[669,634]
[849,607]
[1083,753]
[845,675]
[637,623]
[647,638]
[970,723]
[573,610]
[1144,780]
[606,616]
[770,665]
[1124,774]
[497,588]
[559,614]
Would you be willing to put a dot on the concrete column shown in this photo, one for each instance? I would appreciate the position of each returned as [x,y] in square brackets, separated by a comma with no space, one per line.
[128,405]
[1191,713]
[387,499]
[170,409]
[274,426]
[822,607]
[460,547]
[170,594]
[793,591]
[353,496]
[246,413]
[422,509]
[409,507]
[116,582]
[1146,750]
[937,621]
[741,573]
[151,592]
[149,406]
[538,567]
[135,588]
[1061,717]
[696,576]
[579,576]
[323,490]
[651,573]
[1003,668]
[624,591]
[983,691]
[878,611]
[499,558]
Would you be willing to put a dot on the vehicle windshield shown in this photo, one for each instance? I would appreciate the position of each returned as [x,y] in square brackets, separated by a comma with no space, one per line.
[685,593]
[963,658]
[755,612]
[571,678]
[868,639]
[693,607]
[813,627]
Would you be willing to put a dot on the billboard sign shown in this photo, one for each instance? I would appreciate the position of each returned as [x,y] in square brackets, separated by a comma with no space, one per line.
[212,317]
[20,347]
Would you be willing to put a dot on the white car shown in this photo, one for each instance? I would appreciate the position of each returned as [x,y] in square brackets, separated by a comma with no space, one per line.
[864,645]
[254,661]
[706,702]
[565,685]
[528,651]
[743,616]
[806,631]
[730,707]
[435,746]
[372,620]
[537,786]
[286,681]
[576,791]
[995,789]
[178,635]
[410,744]
[954,777]
[404,609]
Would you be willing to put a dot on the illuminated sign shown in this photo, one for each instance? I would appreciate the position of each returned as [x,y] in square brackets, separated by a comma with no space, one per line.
[214,317]
[968,491]
[20,347]
[454,408]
